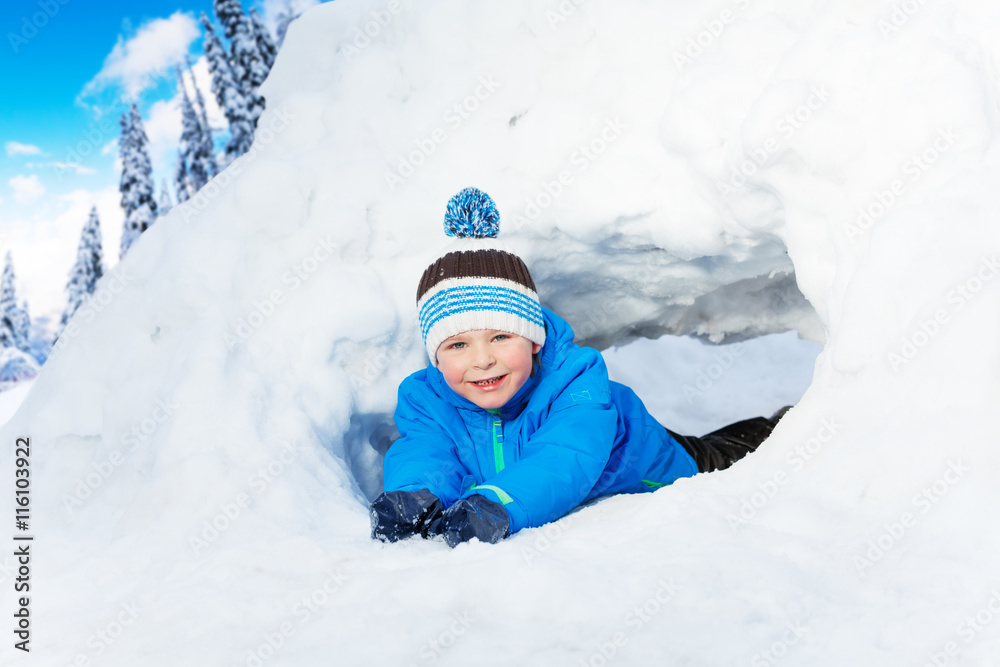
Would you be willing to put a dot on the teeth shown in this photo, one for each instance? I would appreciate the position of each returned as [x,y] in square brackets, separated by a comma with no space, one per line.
[490,381]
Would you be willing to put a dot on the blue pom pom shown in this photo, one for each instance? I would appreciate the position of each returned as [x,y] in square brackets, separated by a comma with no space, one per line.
[471,214]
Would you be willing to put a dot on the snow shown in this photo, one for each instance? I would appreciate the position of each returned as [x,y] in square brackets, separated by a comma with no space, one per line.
[239,367]
[695,388]
[12,396]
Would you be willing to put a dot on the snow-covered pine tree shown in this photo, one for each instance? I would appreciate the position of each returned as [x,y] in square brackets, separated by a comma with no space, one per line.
[229,13]
[244,56]
[285,17]
[7,303]
[265,43]
[87,269]
[191,141]
[91,251]
[228,95]
[137,179]
[23,326]
[165,203]
[182,185]
[12,327]
[206,152]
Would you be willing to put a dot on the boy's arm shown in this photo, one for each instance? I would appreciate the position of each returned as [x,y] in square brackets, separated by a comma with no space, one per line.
[425,456]
[562,460]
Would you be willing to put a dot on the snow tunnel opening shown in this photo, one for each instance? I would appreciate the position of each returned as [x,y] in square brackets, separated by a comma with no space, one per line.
[694,387]
[744,349]
[367,440]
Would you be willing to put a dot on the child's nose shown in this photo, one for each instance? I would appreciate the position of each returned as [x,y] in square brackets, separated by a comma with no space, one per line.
[484,358]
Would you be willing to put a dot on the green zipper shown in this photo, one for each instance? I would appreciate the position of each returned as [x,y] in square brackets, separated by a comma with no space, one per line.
[497,439]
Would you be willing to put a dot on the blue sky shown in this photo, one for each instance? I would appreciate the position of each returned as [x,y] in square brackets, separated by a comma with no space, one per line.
[65,76]
[47,73]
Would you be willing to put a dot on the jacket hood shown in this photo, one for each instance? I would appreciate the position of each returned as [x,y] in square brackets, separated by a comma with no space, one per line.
[558,335]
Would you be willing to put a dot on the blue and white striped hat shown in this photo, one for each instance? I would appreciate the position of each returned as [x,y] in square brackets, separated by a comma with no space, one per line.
[478,283]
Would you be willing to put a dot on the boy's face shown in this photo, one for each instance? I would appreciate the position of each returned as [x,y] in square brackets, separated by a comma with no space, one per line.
[485,354]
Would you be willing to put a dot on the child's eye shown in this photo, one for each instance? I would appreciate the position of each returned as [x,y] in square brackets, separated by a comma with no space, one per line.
[455,345]
[500,336]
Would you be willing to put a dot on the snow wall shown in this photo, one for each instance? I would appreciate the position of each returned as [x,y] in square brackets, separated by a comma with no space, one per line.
[204,444]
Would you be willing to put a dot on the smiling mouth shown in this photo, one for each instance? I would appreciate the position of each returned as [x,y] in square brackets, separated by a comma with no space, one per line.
[489,381]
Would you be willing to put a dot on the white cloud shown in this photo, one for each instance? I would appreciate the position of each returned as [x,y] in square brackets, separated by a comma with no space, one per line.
[17,148]
[27,189]
[163,128]
[157,46]
[75,167]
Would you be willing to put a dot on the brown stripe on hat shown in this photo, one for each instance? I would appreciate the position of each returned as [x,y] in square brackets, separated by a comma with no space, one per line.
[486,263]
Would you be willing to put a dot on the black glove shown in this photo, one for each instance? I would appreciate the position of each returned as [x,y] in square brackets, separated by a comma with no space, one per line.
[476,516]
[397,515]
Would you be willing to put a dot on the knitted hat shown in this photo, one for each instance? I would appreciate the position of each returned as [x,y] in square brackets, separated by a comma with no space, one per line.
[477,283]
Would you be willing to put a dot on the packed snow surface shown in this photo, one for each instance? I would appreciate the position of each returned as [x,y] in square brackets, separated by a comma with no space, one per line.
[12,397]
[204,445]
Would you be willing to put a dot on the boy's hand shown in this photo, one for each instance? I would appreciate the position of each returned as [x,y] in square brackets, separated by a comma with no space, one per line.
[476,516]
[397,515]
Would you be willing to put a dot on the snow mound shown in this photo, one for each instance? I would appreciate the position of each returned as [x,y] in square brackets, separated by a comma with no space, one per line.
[204,449]
[15,366]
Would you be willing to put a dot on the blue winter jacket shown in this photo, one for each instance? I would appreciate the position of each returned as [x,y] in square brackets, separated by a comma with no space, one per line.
[567,436]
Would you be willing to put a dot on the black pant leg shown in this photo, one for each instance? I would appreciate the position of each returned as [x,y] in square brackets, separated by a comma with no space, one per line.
[725,446]
[705,456]
[748,432]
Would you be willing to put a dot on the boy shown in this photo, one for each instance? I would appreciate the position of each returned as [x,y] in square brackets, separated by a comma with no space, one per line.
[512,424]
